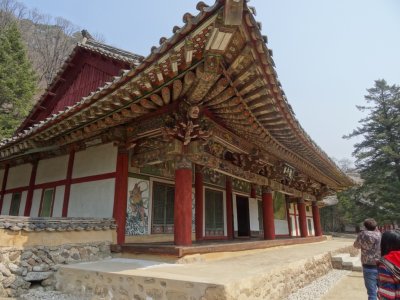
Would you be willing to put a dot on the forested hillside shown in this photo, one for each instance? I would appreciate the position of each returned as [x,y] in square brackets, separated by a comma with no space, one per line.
[48,39]
[33,47]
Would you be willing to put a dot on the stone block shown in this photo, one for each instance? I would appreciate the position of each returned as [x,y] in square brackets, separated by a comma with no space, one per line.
[16,269]
[14,255]
[37,276]
[41,268]
[7,281]
[4,270]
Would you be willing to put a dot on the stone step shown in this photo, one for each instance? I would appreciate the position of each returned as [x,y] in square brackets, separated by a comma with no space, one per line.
[340,257]
[357,266]
[349,262]
[346,262]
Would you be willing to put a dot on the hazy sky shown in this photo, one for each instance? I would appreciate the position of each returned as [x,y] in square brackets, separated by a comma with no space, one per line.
[327,53]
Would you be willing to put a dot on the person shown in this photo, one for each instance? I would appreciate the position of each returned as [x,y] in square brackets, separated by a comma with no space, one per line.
[389,266]
[369,241]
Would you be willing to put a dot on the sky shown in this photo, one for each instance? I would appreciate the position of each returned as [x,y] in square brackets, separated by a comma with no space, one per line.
[327,53]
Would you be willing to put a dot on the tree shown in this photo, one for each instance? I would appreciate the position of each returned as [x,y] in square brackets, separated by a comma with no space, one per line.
[378,154]
[17,80]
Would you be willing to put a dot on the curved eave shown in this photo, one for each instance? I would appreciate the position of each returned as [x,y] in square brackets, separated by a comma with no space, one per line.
[121,100]
[287,129]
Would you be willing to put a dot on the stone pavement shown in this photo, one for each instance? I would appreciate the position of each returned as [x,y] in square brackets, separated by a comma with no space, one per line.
[256,274]
[349,287]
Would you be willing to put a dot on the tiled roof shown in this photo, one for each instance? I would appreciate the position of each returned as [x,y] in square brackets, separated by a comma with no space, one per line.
[288,132]
[93,46]
[111,52]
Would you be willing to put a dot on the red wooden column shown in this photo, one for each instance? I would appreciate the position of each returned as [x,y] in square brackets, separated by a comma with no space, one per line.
[316,219]
[287,200]
[29,197]
[183,203]
[301,207]
[3,186]
[121,194]
[268,214]
[229,207]
[67,190]
[253,191]
[199,196]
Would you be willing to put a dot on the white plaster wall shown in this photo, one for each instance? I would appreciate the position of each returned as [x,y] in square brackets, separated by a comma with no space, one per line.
[37,196]
[281,227]
[1,178]
[92,199]
[52,169]
[95,160]
[253,211]
[19,176]
[235,225]
[293,225]
[23,203]
[58,201]
[6,204]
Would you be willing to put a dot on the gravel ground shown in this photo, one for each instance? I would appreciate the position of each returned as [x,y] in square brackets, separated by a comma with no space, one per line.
[319,287]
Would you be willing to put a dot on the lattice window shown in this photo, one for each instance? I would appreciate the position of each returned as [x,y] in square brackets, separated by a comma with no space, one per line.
[163,208]
[260,216]
[46,205]
[214,213]
[15,204]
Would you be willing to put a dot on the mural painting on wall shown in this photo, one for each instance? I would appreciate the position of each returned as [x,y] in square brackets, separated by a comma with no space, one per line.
[279,206]
[137,214]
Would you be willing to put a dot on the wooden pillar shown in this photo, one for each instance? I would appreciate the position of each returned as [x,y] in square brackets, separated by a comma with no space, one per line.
[316,219]
[3,186]
[183,203]
[67,190]
[268,214]
[229,207]
[289,219]
[29,197]
[199,197]
[121,194]
[253,191]
[301,207]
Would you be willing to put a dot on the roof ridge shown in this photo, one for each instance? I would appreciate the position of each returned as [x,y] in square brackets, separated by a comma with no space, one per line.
[110,48]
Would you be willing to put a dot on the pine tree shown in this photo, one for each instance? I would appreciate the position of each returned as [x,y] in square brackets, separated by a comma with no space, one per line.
[378,154]
[17,80]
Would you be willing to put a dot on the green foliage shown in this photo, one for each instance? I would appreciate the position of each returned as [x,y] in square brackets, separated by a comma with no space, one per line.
[17,80]
[378,154]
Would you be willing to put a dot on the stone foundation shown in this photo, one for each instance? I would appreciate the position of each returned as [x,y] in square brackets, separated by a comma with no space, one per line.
[32,249]
[19,268]
[273,283]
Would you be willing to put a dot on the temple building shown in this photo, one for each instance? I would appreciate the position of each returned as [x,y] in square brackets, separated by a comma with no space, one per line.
[194,142]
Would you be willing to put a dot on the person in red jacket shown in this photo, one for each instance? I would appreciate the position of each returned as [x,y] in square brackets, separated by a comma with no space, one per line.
[389,266]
